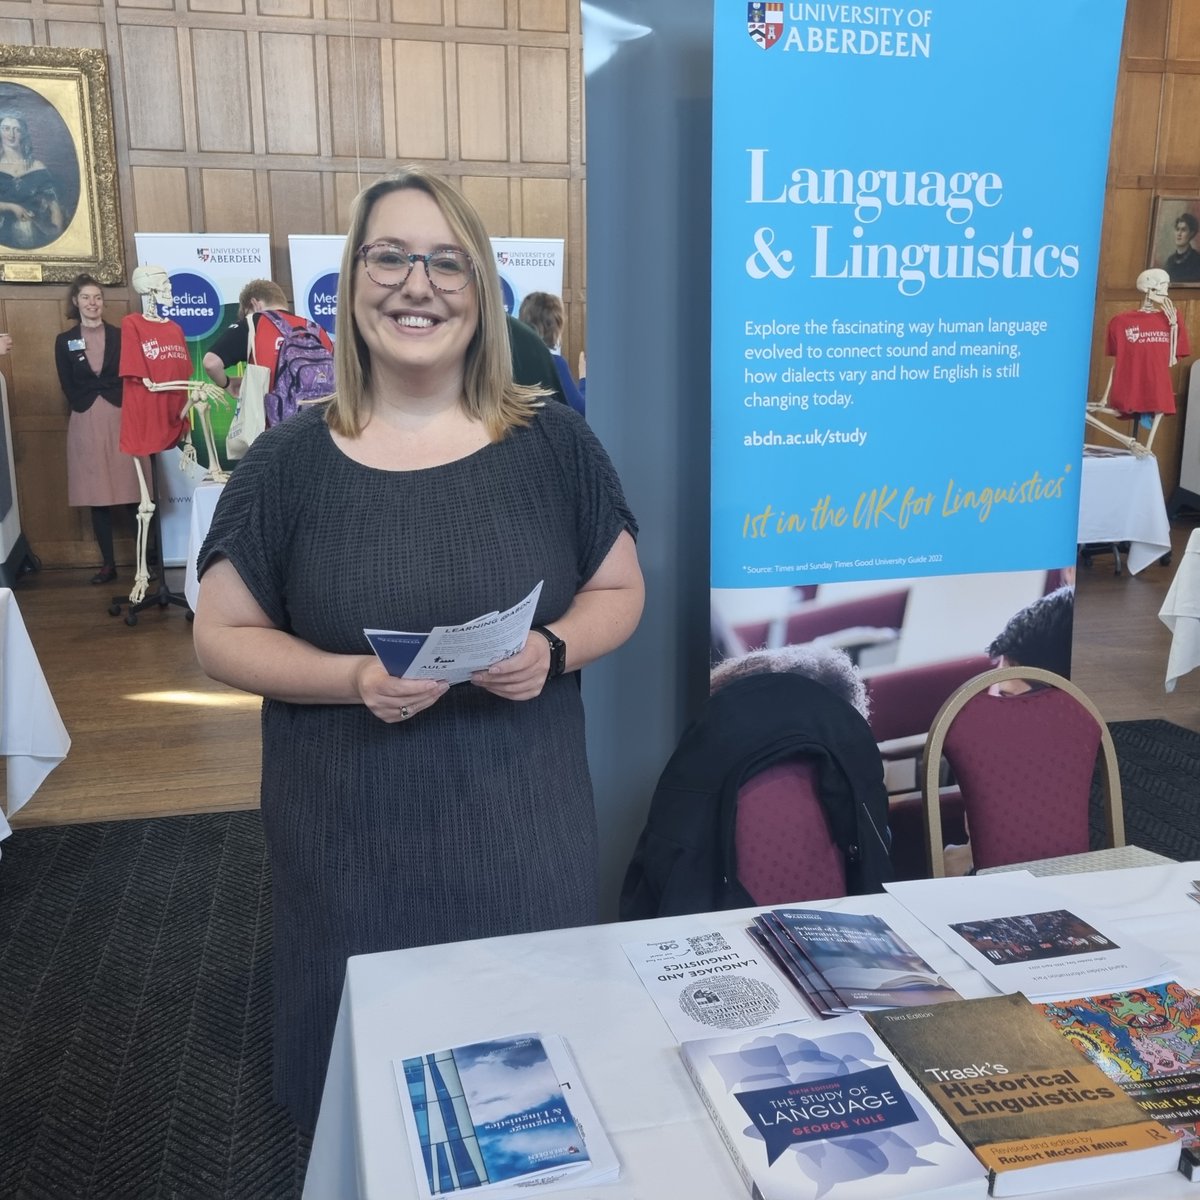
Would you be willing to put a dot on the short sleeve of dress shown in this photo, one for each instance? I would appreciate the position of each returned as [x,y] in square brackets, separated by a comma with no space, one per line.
[601,512]
[253,522]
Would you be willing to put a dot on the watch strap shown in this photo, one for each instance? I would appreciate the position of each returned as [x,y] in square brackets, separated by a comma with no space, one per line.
[558,651]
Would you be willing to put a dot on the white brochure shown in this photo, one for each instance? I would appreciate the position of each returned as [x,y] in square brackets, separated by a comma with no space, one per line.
[1023,936]
[710,981]
[455,652]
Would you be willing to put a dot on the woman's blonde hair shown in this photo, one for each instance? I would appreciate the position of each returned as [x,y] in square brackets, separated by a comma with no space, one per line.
[491,394]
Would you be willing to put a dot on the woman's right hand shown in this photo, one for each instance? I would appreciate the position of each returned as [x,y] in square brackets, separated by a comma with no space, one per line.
[17,210]
[391,699]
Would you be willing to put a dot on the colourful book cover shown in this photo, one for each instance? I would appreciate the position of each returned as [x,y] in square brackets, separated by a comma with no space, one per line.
[1147,1040]
[490,1113]
[1037,1113]
[809,1110]
[863,959]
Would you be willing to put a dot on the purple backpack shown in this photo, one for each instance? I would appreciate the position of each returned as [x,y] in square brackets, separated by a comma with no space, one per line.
[303,368]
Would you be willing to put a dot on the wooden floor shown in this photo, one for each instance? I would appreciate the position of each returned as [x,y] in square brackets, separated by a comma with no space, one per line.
[1120,645]
[152,735]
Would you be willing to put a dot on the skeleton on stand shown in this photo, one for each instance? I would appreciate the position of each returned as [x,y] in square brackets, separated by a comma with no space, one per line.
[155,359]
[1146,343]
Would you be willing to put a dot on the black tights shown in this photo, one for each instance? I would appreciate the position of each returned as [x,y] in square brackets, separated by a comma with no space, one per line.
[102,528]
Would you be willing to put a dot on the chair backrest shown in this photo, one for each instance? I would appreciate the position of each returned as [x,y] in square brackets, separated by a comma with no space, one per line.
[905,700]
[1024,764]
[783,847]
[884,610]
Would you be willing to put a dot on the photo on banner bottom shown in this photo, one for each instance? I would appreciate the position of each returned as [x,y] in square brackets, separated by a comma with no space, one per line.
[897,649]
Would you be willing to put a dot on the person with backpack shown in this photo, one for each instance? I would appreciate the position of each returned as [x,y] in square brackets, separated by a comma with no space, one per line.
[296,351]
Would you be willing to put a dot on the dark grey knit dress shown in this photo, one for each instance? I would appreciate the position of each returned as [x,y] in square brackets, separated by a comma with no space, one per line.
[475,817]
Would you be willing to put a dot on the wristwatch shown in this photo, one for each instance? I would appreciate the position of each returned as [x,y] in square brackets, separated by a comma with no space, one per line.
[558,652]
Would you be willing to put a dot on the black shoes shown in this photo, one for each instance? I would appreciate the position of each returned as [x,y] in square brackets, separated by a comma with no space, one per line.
[106,574]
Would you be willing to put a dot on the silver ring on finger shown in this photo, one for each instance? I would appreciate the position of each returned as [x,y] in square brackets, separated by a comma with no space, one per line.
[404,713]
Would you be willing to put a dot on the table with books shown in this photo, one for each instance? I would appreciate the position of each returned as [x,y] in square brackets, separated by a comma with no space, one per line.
[623,997]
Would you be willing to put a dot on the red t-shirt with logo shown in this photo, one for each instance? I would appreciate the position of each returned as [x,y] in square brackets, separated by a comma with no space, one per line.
[1141,344]
[154,350]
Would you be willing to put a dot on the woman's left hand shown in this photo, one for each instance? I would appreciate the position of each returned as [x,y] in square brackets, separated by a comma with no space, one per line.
[521,677]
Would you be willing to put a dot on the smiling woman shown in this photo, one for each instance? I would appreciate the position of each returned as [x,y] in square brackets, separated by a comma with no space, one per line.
[429,490]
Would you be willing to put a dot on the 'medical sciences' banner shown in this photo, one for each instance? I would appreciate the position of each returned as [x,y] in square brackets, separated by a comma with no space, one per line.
[906,215]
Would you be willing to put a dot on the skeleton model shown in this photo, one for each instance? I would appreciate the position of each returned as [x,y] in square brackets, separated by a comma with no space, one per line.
[1153,284]
[144,431]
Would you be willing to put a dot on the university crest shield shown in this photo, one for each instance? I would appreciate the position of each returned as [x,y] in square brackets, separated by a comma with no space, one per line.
[764,23]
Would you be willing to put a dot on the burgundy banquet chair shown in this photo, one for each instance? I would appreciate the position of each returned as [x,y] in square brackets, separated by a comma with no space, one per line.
[1024,765]
[783,847]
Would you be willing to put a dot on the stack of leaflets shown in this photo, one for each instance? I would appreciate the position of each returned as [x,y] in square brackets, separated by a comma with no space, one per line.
[1147,1040]
[494,1117]
[823,1109]
[843,962]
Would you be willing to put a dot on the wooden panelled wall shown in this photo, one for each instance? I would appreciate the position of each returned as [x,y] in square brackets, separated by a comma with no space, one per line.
[1155,152]
[236,116]
[252,115]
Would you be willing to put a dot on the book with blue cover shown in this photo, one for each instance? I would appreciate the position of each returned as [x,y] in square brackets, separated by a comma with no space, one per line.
[494,1116]
[809,1110]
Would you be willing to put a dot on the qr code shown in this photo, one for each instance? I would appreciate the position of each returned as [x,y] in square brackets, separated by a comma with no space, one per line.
[708,943]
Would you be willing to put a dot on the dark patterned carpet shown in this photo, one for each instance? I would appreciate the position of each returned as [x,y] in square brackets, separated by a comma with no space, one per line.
[1160,786]
[135,1014]
[135,994]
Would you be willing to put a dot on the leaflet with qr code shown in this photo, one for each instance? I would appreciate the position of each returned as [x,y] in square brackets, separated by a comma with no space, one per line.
[714,981]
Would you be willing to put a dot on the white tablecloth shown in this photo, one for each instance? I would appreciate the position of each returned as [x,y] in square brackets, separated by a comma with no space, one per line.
[204,504]
[1180,613]
[32,736]
[1121,500]
[578,983]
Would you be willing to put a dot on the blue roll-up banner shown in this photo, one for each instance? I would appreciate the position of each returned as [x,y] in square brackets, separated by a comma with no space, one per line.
[906,221]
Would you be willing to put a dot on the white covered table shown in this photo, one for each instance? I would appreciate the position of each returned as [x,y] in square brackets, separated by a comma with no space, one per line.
[204,504]
[32,736]
[1121,500]
[578,983]
[1180,613]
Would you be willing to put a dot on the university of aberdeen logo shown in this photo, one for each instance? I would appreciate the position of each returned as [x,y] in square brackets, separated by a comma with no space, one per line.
[764,23]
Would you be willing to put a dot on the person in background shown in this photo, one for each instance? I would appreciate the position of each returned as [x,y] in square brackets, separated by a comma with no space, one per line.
[1039,635]
[429,490]
[99,476]
[543,312]
[258,296]
[532,364]
[827,665]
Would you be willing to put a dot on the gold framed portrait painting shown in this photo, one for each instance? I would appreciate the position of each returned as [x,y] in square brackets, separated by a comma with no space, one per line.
[58,171]
[1174,238]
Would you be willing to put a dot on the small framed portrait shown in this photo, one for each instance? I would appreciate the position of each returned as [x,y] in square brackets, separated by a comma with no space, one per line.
[59,213]
[1175,239]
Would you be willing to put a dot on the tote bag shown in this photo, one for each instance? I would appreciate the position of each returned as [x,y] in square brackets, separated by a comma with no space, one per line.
[250,419]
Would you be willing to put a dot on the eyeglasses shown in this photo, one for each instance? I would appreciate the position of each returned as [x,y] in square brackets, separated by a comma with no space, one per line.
[390,266]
